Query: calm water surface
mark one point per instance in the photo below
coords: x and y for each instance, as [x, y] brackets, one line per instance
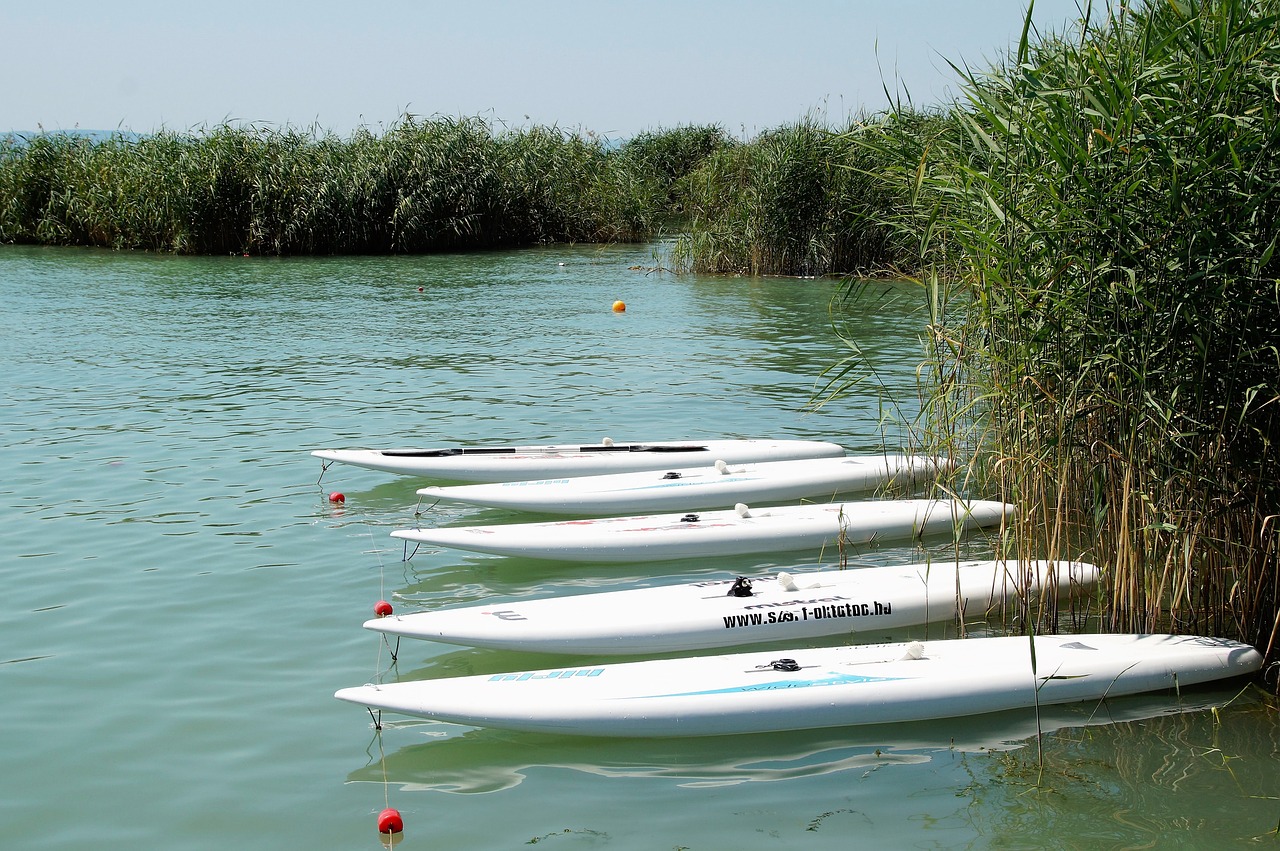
[180, 600]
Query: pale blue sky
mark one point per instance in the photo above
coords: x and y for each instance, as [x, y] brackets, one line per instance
[610, 67]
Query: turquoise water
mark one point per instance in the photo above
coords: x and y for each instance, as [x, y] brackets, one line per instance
[180, 599]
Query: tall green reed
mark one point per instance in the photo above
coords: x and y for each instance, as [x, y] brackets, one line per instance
[671, 155]
[1099, 229]
[419, 186]
[799, 200]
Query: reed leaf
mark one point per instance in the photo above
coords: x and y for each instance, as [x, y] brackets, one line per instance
[441, 184]
[1101, 208]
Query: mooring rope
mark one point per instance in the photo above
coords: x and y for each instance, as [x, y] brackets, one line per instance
[389, 820]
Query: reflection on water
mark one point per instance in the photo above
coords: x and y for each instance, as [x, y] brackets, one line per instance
[1096, 788]
[450, 758]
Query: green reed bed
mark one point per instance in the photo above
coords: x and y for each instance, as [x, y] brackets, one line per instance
[671, 155]
[420, 186]
[1099, 240]
[799, 200]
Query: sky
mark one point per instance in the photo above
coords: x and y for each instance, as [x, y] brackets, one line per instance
[610, 68]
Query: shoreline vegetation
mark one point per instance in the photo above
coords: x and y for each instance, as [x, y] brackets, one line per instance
[1092, 227]
[1097, 225]
[421, 186]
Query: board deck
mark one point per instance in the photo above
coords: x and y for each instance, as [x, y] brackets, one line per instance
[720, 485]
[785, 606]
[518, 463]
[813, 688]
[660, 537]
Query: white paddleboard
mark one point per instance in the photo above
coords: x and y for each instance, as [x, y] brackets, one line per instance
[520, 463]
[698, 615]
[718, 486]
[659, 537]
[810, 688]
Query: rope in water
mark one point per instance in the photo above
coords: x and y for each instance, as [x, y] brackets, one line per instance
[390, 822]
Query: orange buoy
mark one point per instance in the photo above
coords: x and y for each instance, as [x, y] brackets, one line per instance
[389, 821]
[619, 306]
[337, 497]
[382, 608]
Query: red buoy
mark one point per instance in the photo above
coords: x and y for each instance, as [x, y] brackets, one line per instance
[382, 608]
[389, 821]
[337, 497]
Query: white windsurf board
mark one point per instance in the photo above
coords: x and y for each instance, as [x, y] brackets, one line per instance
[726, 612]
[660, 537]
[720, 485]
[496, 463]
[812, 688]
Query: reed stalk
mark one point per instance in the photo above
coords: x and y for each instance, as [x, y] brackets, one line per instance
[1105, 341]
[801, 200]
[420, 186]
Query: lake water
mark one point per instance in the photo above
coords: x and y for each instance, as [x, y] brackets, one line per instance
[181, 600]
